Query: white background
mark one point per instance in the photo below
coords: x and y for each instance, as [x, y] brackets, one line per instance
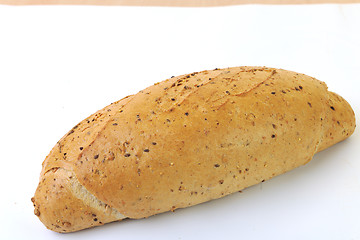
[60, 64]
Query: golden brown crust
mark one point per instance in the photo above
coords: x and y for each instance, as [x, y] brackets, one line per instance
[339, 122]
[71, 145]
[58, 207]
[201, 136]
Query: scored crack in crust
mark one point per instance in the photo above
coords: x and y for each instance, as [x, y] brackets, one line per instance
[66, 205]
[81, 193]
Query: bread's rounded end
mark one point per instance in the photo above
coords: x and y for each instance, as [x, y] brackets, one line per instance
[339, 123]
[59, 210]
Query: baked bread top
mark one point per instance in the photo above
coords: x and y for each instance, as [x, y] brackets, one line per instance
[190, 139]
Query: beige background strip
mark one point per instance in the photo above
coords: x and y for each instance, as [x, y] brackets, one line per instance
[171, 3]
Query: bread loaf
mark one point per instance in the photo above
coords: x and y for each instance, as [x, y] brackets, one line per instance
[187, 140]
